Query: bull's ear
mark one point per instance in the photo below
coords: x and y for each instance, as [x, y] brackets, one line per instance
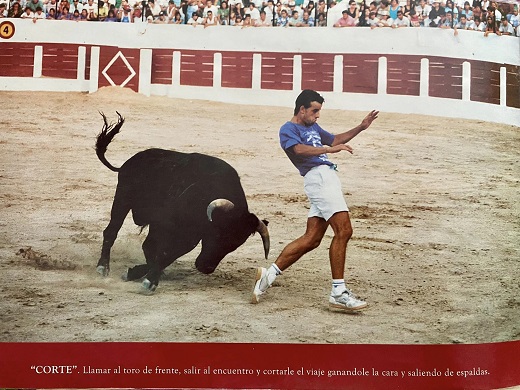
[265, 221]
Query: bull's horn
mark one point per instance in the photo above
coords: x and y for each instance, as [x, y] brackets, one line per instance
[264, 233]
[224, 204]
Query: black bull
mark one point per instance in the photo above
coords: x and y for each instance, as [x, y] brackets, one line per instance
[184, 199]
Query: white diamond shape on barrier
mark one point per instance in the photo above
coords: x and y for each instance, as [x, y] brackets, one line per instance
[132, 71]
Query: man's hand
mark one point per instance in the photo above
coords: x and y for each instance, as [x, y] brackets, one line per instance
[367, 121]
[339, 148]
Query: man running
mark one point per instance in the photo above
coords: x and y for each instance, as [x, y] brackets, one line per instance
[307, 144]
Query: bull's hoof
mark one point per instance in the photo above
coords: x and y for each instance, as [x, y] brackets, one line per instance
[147, 287]
[124, 277]
[102, 270]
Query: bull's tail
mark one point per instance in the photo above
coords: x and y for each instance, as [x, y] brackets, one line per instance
[106, 136]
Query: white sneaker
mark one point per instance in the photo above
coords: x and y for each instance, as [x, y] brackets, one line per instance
[346, 301]
[260, 280]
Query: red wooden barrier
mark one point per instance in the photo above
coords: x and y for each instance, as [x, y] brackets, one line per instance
[197, 68]
[404, 75]
[16, 59]
[360, 73]
[277, 71]
[446, 77]
[318, 72]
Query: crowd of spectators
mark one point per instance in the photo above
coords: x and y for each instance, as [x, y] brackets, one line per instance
[484, 16]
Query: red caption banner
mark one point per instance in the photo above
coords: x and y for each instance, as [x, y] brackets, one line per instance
[274, 366]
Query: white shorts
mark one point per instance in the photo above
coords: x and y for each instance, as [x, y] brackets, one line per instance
[323, 188]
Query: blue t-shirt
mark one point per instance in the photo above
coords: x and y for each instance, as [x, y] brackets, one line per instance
[293, 134]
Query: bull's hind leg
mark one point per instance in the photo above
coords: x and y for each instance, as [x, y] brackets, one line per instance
[118, 214]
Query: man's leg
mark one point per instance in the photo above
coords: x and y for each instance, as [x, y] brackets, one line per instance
[340, 223]
[341, 297]
[316, 228]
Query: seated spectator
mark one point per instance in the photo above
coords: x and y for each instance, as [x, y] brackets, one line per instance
[476, 24]
[63, 4]
[310, 7]
[346, 20]
[210, 7]
[363, 15]
[239, 10]
[253, 11]
[91, 10]
[195, 20]
[223, 13]
[15, 11]
[505, 27]
[294, 20]
[322, 21]
[3, 10]
[76, 16]
[125, 14]
[270, 11]
[401, 20]
[450, 7]
[436, 14]
[51, 15]
[39, 14]
[76, 5]
[65, 14]
[383, 8]
[170, 10]
[83, 16]
[307, 19]
[28, 14]
[384, 20]
[246, 22]
[322, 8]
[393, 9]
[263, 22]
[373, 20]
[491, 27]
[414, 18]
[33, 4]
[353, 10]
[514, 19]
[162, 19]
[102, 10]
[177, 18]
[47, 6]
[373, 7]
[238, 21]
[463, 23]
[477, 11]
[283, 19]
[448, 21]
[138, 15]
[423, 11]
[467, 11]
[210, 19]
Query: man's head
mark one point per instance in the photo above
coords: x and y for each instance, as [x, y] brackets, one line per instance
[307, 106]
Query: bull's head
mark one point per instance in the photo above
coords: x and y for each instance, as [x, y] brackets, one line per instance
[230, 228]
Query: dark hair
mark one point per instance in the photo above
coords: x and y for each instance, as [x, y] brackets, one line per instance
[305, 98]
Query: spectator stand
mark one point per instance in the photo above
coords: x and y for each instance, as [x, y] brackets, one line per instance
[424, 70]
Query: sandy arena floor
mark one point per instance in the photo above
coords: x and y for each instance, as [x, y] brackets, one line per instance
[434, 204]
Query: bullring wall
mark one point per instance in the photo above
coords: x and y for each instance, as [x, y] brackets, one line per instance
[410, 70]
